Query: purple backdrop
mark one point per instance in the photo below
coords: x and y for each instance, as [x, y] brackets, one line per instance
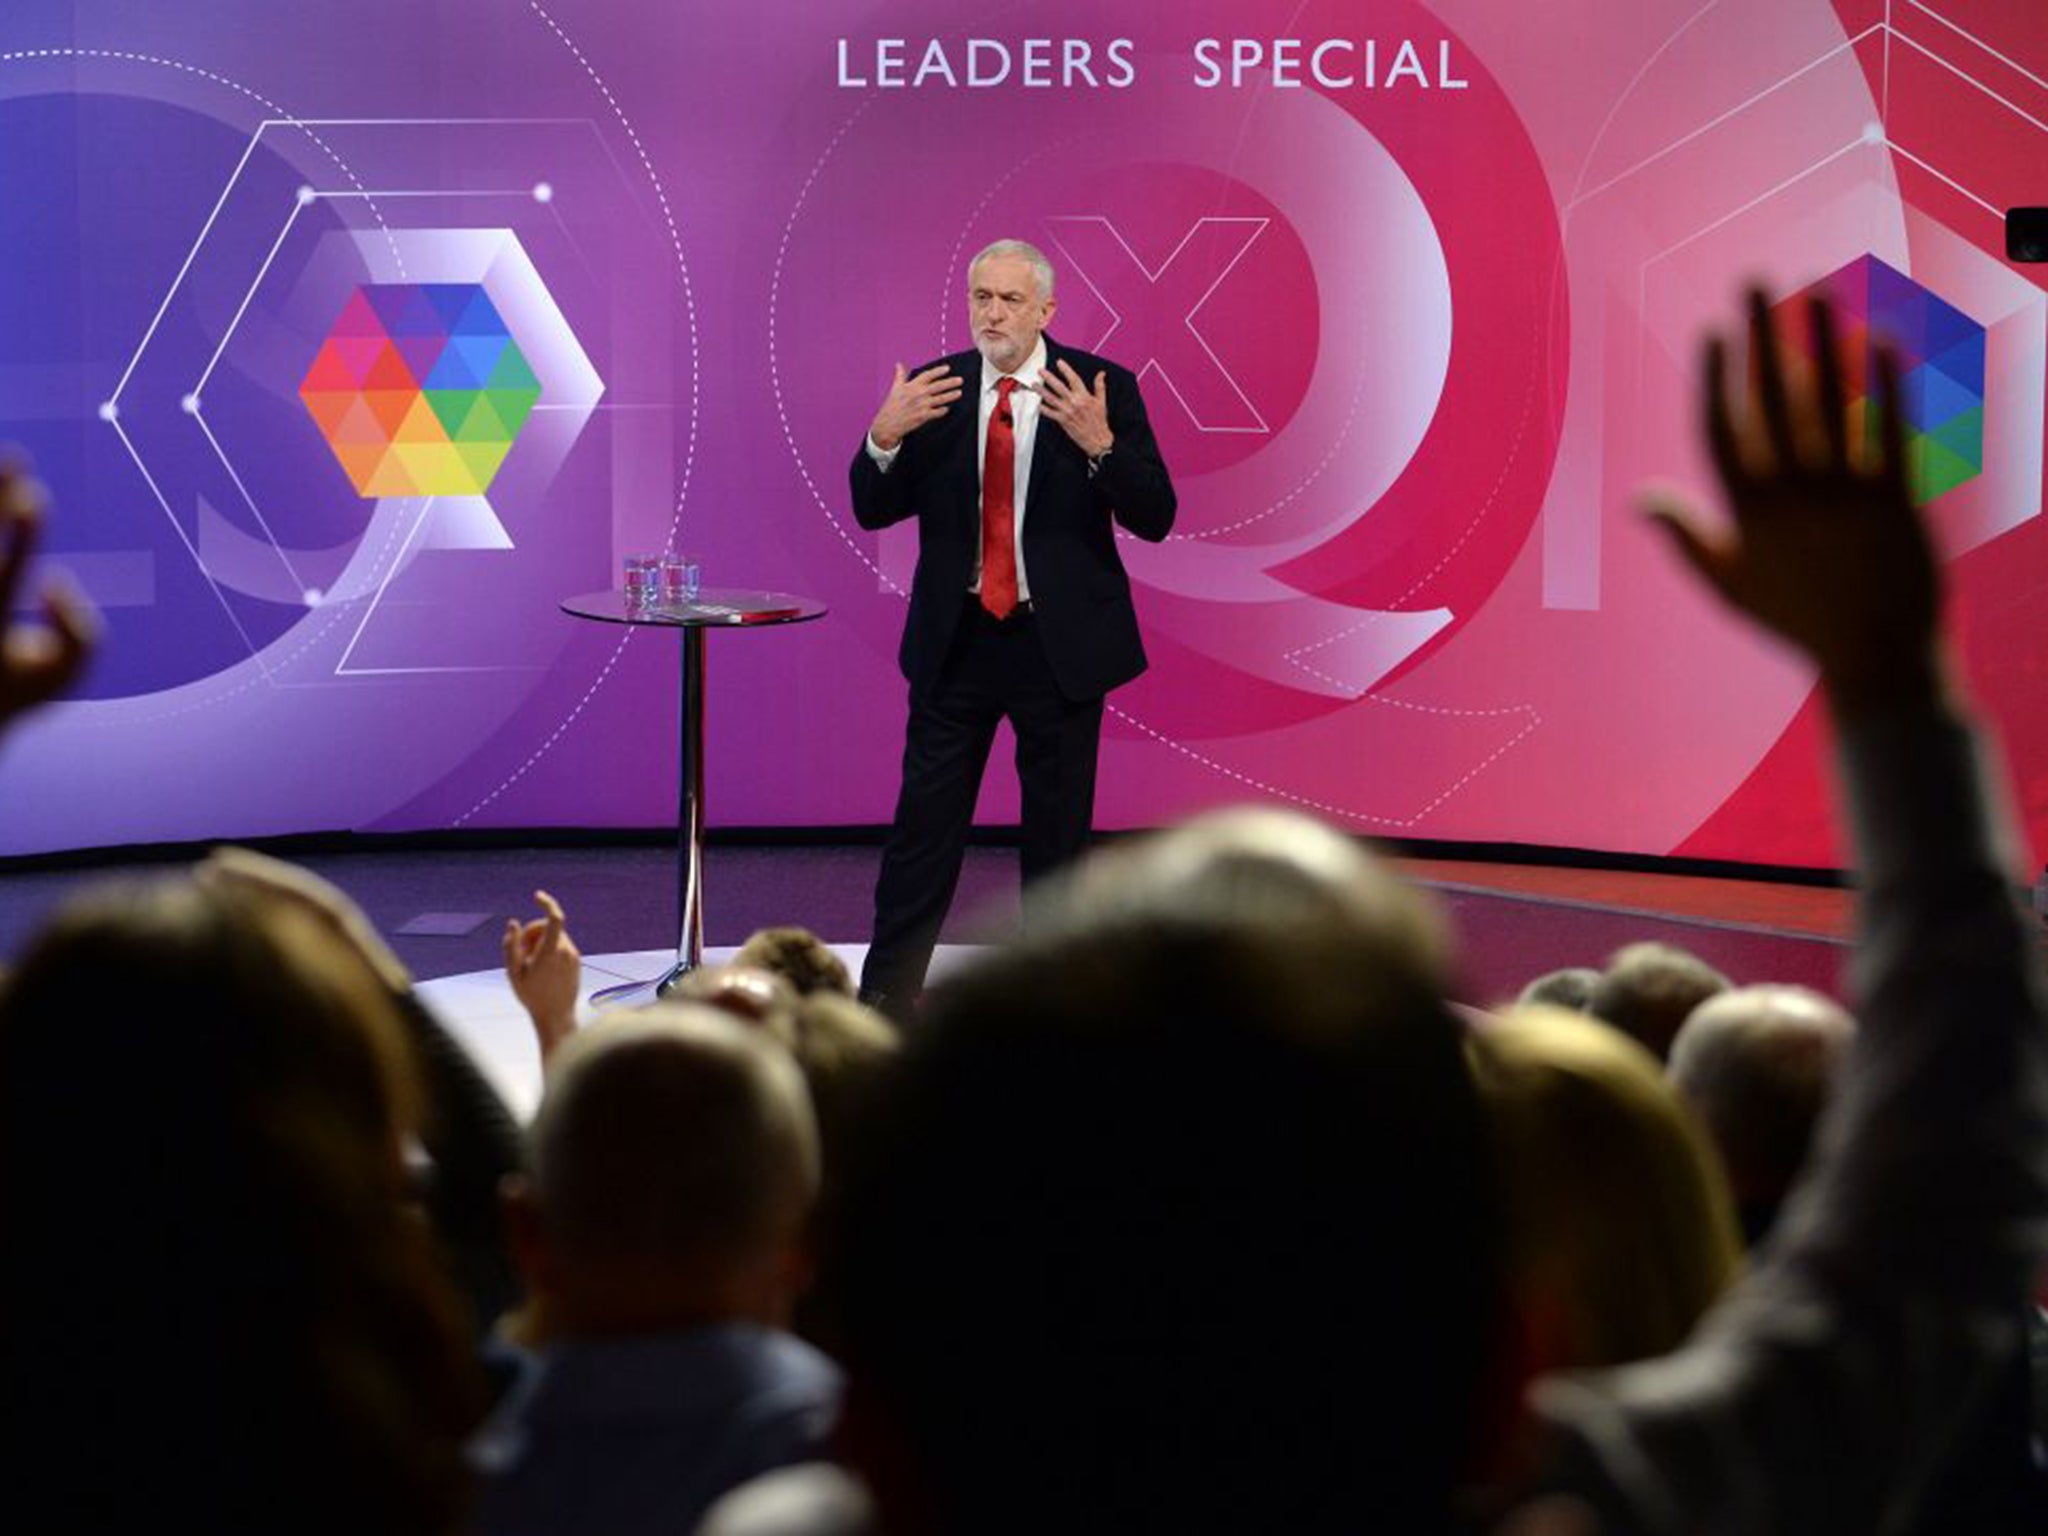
[1414, 289]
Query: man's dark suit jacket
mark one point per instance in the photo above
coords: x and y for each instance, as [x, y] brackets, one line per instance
[1078, 587]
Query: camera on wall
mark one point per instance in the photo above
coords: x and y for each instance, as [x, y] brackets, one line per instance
[2026, 234]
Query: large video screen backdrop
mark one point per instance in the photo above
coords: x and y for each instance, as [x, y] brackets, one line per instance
[352, 339]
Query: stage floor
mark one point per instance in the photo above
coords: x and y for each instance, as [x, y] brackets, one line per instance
[1511, 923]
[444, 910]
[481, 1011]
[1513, 920]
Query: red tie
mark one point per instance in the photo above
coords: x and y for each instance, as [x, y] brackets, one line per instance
[999, 508]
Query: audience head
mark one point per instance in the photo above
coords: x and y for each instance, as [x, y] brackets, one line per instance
[845, 1050]
[1177, 1214]
[1570, 988]
[1757, 1064]
[745, 992]
[214, 1272]
[841, 1046]
[799, 957]
[1648, 990]
[1621, 1230]
[674, 1164]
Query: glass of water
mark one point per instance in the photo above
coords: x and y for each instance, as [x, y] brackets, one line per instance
[681, 579]
[642, 579]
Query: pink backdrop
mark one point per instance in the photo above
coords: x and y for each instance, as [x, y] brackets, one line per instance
[1414, 289]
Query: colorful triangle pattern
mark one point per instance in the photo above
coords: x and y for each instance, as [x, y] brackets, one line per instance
[420, 389]
[1942, 365]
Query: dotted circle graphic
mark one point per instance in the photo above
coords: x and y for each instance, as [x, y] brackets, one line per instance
[675, 523]
[128, 718]
[774, 359]
[947, 305]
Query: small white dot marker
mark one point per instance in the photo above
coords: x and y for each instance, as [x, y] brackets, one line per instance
[306, 195]
[189, 405]
[314, 597]
[543, 192]
[1873, 133]
[109, 411]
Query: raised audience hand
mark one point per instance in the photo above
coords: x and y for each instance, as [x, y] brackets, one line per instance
[37, 661]
[546, 971]
[276, 881]
[1825, 547]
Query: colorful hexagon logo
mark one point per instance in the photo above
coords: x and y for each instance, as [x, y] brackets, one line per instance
[420, 389]
[1941, 351]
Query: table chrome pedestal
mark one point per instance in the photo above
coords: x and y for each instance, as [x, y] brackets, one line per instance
[713, 608]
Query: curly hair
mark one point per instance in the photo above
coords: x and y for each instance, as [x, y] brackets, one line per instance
[799, 957]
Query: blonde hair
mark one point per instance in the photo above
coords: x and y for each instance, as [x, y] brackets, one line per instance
[1621, 1230]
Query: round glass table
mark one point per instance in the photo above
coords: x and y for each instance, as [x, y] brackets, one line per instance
[712, 608]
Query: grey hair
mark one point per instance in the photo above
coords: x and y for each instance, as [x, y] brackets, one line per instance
[1023, 250]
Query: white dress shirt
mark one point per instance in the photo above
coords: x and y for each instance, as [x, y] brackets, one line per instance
[1024, 401]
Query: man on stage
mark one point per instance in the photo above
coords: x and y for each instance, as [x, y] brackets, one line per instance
[1017, 459]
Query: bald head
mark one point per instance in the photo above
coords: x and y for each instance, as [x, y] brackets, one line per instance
[676, 1136]
[744, 991]
[1758, 1063]
[1321, 900]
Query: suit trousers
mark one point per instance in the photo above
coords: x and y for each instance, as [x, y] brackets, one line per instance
[996, 670]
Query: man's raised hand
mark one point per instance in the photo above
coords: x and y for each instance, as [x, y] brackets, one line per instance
[912, 401]
[1083, 413]
[1825, 547]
